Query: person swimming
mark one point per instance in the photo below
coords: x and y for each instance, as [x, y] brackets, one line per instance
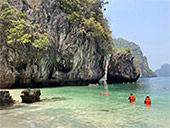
[147, 100]
[107, 94]
[132, 98]
[102, 93]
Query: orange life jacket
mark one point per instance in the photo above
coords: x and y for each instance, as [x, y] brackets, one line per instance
[107, 94]
[132, 98]
[147, 101]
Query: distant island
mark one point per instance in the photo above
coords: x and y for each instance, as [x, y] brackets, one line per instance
[140, 60]
[164, 70]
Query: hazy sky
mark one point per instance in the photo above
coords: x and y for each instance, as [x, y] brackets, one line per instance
[145, 22]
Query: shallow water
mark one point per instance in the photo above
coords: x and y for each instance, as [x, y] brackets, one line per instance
[83, 107]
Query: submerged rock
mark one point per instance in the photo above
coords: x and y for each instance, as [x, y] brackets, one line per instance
[30, 96]
[121, 68]
[5, 99]
[54, 99]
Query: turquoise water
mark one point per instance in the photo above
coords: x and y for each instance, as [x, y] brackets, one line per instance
[83, 107]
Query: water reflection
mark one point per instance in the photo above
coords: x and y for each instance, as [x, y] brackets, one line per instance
[148, 107]
[133, 105]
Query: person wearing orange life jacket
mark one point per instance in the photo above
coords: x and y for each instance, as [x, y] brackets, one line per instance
[147, 100]
[107, 94]
[132, 98]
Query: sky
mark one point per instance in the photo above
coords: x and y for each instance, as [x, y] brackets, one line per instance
[144, 22]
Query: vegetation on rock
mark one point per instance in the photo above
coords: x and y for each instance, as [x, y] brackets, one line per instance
[88, 13]
[123, 51]
[15, 28]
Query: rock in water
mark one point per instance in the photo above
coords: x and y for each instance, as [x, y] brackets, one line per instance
[121, 68]
[30, 96]
[140, 60]
[5, 99]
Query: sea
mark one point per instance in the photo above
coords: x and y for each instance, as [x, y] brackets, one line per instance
[84, 107]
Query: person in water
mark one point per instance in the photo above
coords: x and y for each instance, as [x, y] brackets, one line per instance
[102, 93]
[147, 100]
[132, 98]
[107, 94]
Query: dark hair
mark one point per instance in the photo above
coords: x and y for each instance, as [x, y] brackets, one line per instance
[147, 96]
[131, 94]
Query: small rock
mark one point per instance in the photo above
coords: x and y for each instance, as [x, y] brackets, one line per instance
[30, 96]
[93, 85]
[5, 99]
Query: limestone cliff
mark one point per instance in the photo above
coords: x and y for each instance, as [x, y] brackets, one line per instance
[74, 57]
[57, 42]
[122, 68]
[140, 60]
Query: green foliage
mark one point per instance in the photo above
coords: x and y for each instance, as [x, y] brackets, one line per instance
[6, 15]
[41, 40]
[77, 10]
[128, 50]
[21, 15]
[73, 9]
[57, 60]
[91, 25]
[14, 28]
[114, 49]
[123, 50]
[74, 17]
[19, 32]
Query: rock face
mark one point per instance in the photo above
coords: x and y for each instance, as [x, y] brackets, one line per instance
[121, 68]
[76, 56]
[30, 96]
[140, 60]
[5, 99]
[164, 71]
[71, 60]
[23, 64]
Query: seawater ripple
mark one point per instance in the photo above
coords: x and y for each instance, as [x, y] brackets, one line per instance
[83, 107]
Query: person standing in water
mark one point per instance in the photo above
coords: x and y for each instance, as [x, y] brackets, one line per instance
[102, 93]
[147, 100]
[132, 98]
[107, 94]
